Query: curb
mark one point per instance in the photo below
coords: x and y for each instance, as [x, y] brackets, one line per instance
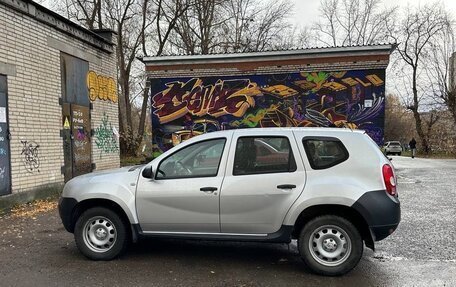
[7, 202]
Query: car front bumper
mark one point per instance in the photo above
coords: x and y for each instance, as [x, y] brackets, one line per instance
[66, 208]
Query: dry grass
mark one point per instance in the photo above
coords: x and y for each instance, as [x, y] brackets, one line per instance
[32, 209]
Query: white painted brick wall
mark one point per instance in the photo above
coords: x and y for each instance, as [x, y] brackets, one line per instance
[33, 94]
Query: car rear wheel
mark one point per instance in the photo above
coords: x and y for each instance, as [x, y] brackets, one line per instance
[100, 234]
[330, 245]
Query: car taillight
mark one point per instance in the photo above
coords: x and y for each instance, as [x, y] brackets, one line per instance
[389, 179]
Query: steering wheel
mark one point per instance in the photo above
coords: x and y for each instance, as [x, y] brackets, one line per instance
[184, 167]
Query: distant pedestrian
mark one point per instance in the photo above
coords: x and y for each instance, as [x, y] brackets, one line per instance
[412, 145]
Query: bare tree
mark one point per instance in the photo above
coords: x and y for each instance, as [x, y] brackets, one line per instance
[352, 22]
[232, 26]
[125, 16]
[399, 122]
[86, 12]
[442, 67]
[269, 26]
[197, 27]
[415, 33]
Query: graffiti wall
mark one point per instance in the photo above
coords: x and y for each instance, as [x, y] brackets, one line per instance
[186, 107]
[105, 137]
[30, 153]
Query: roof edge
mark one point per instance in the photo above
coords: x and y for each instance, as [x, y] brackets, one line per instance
[59, 22]
[324, 51]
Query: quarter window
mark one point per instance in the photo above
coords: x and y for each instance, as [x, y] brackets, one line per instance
[325, 152]
[197, 160]
[256, 155]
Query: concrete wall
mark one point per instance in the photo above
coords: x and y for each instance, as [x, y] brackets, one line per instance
[30, 58]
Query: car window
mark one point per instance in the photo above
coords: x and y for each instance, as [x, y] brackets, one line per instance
[201, 159]
[256, 155]
[324, 153]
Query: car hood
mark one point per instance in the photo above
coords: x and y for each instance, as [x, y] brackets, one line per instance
[125, 177]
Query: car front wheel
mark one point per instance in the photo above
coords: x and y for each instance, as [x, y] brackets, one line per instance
[330, 245]
[100, 234]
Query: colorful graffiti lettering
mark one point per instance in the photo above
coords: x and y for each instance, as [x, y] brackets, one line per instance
[101, 87]
[30, 151]
[252, 120]
[351, 99]
[225, 97]
[105, 139]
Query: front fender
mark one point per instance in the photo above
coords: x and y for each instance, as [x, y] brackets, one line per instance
[114, 192]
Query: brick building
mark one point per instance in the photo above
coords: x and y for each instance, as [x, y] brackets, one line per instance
[58, 98]
[341, 86]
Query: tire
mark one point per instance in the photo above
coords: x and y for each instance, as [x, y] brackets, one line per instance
[100, 234]
[330, 245]
[399, 153]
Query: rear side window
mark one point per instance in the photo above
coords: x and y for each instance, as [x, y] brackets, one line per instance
[324, 152]
[257, 155]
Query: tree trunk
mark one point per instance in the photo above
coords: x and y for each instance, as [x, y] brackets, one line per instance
[416, 114]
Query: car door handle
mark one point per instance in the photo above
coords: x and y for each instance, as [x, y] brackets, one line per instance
[208, 189]
[286, 186]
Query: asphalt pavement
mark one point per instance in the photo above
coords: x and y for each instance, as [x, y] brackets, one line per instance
[37, 251]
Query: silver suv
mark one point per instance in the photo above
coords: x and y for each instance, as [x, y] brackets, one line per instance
[331, 189]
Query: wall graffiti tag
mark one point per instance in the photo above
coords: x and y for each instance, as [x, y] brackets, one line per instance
[2, 138]
[185, 107]
[101, 87]
[230, 97]
[2, 172]
[105, 138]
[30, 151]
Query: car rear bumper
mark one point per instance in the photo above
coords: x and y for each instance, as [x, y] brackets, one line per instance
[381, 212]
[381, 232]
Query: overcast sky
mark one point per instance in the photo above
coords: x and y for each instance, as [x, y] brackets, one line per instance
[306, 11]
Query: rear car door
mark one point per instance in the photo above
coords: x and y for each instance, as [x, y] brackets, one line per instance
[264, 176]
[183, 197]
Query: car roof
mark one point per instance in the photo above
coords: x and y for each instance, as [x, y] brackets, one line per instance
[253, 131]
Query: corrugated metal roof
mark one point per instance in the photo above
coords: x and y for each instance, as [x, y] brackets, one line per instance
[254, 56]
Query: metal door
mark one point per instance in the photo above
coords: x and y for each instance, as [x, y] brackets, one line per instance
[5, 167]
[76, 131]
[80, 140]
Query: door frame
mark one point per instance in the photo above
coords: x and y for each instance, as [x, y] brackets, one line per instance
[8, 139]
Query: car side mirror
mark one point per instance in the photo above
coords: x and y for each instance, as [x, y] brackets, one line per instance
[147, 172]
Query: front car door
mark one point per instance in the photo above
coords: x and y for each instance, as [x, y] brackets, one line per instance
[183, 197]
[264, 176]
